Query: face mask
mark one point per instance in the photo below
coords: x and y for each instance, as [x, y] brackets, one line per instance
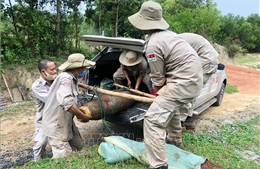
[49, 76]
[82, 74]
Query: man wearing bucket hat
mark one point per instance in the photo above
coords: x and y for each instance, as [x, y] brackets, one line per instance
[133, 64]
[61, 107]
[176, 74]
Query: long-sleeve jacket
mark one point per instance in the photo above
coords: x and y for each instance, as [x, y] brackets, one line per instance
[40, 90]
[57, 121]
[175, 66]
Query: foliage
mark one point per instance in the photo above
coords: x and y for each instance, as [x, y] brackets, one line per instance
[110, 17]
[230, 89]
[234, 48]
[30, 33]
[192, 16]
[239, 34]
[254, 40]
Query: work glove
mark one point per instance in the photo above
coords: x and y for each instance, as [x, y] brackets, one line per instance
[85, 109]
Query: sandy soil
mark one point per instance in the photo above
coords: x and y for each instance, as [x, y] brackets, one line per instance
[17, 131]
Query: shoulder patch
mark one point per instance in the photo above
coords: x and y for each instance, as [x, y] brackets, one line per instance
[66, 83]
[151, 57]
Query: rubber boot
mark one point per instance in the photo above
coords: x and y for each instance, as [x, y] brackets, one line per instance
[175, 143]
[162, 167]
[177, 140]
[189, 124]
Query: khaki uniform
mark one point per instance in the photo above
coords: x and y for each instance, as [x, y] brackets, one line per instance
[140, 69]
[207, 53]
[209, 61]
[40, 90]
[175, 66]
[58, 125]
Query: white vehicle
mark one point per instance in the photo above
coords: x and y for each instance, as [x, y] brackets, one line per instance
[107, 62]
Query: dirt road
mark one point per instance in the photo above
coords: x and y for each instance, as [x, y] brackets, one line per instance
[240, 106]
[17, 131]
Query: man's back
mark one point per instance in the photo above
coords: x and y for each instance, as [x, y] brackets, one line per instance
[204, 49]
[177, 63]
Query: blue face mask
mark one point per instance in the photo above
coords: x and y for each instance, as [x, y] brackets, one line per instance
[82, 74]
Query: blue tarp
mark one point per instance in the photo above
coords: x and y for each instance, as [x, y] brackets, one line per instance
[116, 149]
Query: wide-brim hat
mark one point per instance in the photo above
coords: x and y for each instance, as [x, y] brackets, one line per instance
[130, 58]
[149, 17]
[76, 60]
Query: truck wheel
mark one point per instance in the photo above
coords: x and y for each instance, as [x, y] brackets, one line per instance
[220, 96]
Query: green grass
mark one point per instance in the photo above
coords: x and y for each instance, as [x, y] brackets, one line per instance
[18, 108]
[231, 89]
[223, 148]
[88, 158]
[250, 60]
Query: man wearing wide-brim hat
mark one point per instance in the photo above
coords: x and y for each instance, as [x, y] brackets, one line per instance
[61, 107]
[133, 64]
[176, 74]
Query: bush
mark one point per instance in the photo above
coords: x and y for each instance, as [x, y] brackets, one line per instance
[234, 48]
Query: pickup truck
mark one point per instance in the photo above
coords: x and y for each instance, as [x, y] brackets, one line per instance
[107, 62]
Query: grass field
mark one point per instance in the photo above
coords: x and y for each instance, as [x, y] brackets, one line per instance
[250, 60]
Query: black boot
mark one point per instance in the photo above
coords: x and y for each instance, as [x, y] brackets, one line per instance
[189, 124]
[162, 167]
[177, 144]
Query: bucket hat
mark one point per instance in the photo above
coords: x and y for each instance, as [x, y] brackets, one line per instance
[76, 60]
[130, 58]
[149, 17]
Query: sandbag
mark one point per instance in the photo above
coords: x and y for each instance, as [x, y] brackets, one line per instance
[117, 148]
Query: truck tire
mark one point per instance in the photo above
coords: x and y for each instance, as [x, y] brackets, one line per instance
[220, 95]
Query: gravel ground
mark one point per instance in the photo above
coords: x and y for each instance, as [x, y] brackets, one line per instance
[17, 157]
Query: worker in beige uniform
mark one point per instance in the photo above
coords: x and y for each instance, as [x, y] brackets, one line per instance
[133, 64]
[40, 88]
[207, 53]
[61, 107]
[209, 61]
[176, 73]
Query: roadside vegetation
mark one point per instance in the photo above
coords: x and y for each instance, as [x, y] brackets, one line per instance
[230, 89]
[249, 60]
[31, 31]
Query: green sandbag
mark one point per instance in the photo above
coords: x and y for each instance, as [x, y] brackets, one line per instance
[116, 149]
[107, 84]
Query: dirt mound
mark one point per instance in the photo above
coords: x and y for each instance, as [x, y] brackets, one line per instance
[210, 165]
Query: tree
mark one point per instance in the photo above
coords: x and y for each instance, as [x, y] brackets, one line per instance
[112, 16]
[197, 16]
[240, 32]
[254, 20]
